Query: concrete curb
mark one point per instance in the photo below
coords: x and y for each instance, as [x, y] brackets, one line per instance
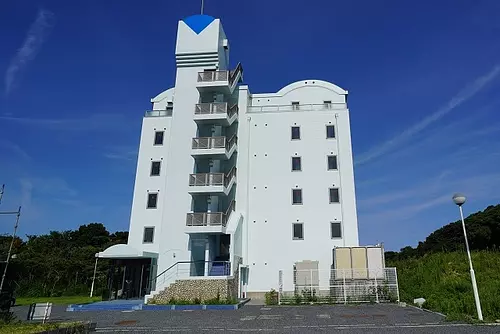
[143, 307]
[426, 310]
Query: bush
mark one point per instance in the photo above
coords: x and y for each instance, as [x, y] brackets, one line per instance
[443, 279]
[271, 297]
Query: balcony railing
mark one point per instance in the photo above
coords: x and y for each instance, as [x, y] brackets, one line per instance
[158, 113]
[230, 76]
[197, 219]
[211, 179]
[210, 76]
[298, 107]
[204, 143]
[215, 108]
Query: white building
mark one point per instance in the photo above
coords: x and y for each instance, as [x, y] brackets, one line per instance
[262, 181]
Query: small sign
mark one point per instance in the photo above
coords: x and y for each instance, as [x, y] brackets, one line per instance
[40, 311]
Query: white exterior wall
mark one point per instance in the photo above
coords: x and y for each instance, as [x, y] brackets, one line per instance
[271, 212]
[141, 216]
[264, 177]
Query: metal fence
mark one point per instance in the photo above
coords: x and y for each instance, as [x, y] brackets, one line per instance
[338, 286]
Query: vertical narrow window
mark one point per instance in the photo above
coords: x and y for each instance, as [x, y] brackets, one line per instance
[334, 195]
[296, 164]
[152, 200]
[336, 230]
[330, 131]
[296, 196]
[148, 236]
[295, 132]
[155, 168]
[159, 137]
[332, 162]
[295, 105]
[298, 231]
[170, 108]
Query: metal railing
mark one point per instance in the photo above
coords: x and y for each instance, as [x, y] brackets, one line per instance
[211, 179]
[210, 218]
[158, 113]
[215, 108]
[299, 107]
[203, 143]
[189, 269]
[338, 286]
[210, 76]
[230, 76]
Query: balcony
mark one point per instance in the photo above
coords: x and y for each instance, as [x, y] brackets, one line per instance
[208, 222]
[219, 113]
[219, 81]
[219, 148]
[212, 183]
[159, 113]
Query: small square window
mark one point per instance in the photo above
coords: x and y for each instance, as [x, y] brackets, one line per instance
[296, 196]
[155, 168]
[298, 231]
[295, 105]
[332, 162]
[296, 164]
[327, 104]
[330, 131]
[295, 132]
[336, 229]
[170, 105]
[149, 233]
[152, 200]
[334, 195]
[159, 137]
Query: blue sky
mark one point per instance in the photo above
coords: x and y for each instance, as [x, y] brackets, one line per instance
[423, 78]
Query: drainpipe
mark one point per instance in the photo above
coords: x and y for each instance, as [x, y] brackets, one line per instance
[340, 179]
[248, 203]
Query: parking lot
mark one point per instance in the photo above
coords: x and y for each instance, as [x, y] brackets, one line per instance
[252, 318]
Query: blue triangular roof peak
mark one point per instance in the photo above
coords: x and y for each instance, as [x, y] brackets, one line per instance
[198, 23]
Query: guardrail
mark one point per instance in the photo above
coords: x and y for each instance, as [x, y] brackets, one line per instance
[298, 107]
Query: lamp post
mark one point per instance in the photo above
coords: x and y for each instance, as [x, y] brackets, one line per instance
[459, 200]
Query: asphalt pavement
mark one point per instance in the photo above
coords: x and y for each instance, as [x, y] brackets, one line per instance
[381, 318]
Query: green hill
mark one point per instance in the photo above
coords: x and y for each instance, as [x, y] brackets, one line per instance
[438, 269]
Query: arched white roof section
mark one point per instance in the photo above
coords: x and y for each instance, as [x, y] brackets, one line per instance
[311, 83]
[167, 94]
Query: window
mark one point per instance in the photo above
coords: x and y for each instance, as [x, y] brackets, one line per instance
[295, 105]
[334, 195]
[149, 233]
[296, 164]
[298, 231]
[159, 137]
[152, 200]
[295, 132]
[330, 131]
[155, 168]
[296, 196]
[170, 105]
[332, 162]
[327, 104]
[336, 229]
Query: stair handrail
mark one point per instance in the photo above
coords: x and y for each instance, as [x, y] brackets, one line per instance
[233, 74]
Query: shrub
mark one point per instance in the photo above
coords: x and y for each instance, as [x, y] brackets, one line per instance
[271, 297]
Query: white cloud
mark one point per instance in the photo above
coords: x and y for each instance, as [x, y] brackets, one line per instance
[32, 44]
[122, 153]
[14, 148]
[93, 122]
[464, 95]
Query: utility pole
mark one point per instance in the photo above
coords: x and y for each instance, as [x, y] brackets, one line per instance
[202, 5]
[9, 254]
[1, 192]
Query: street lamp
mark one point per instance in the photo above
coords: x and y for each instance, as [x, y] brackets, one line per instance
[459, 200]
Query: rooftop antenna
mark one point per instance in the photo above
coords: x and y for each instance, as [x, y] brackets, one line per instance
[202, 5]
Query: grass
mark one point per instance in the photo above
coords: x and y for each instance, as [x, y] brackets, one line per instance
[57, 300]
[28, 328]
[443, 279]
